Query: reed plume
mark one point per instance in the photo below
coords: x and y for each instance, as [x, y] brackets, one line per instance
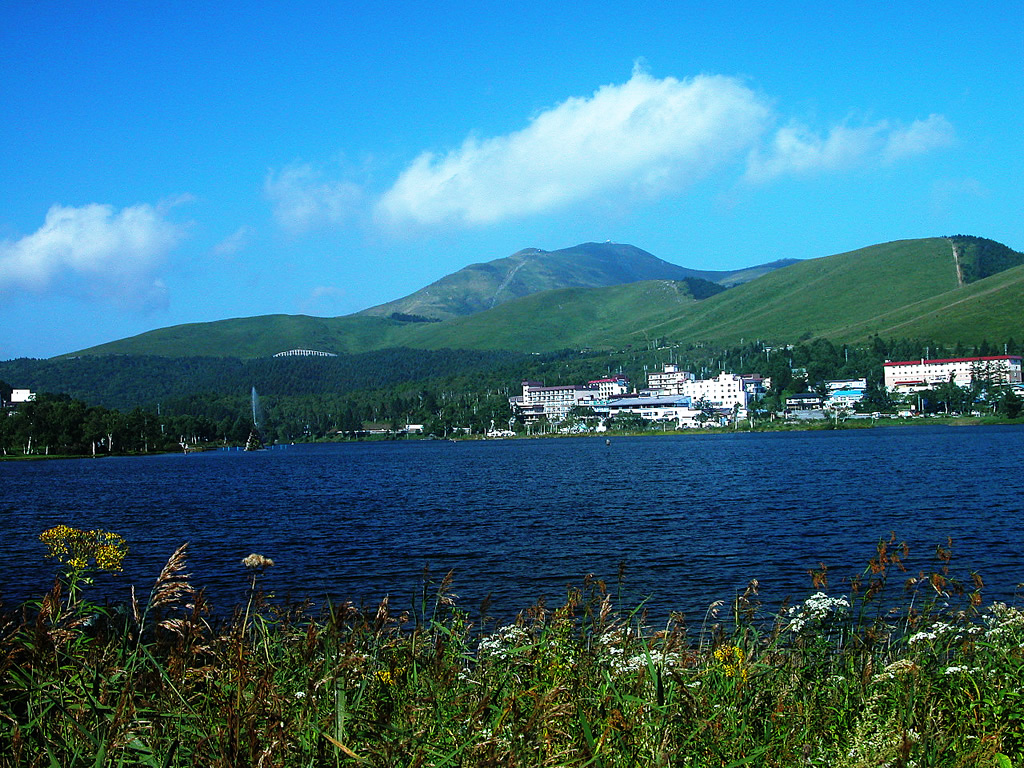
[171, 589]
[172, 586]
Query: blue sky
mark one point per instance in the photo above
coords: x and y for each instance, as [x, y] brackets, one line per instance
[167, 163]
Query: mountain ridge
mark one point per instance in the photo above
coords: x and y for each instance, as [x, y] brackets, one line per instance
[482, 286]
[900, 286]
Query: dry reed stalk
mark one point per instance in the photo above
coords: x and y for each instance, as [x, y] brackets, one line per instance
[171, 589]
[172, 585]
[444, 591]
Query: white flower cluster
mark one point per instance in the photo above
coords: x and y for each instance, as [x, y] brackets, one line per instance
[940, 631]
[1004, 625]
[504, 643]
[814, 611]
[620, 665]
[612, 648]
[613, 636]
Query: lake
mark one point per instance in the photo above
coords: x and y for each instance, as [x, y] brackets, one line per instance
[691, 518]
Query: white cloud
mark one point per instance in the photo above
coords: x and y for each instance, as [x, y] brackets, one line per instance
[644, 137]
[303, 200]
[797, 150]
[93, 251]
[233, 243]
[921, 136]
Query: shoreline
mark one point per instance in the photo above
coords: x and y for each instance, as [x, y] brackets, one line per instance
[783, 426]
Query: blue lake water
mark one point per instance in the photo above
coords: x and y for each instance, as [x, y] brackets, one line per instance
[692, 518]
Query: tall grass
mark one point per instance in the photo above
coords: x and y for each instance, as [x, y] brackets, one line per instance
[898, 670]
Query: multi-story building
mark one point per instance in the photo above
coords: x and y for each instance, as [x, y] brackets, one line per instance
[677, 408]
[670, 380]
[916, 375]
[845, 393]
[554, 403]
[726, 390]
[610, 387]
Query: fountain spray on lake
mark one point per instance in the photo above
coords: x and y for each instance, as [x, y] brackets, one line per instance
[255, 441]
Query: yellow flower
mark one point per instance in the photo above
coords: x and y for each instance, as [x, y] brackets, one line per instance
[731, 657]
[388, 677]
[76, 548]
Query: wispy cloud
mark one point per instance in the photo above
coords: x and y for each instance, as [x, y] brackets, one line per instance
[643, 137]
[233, 243]
[94, 251]
[797, 150]
[919, 137]
[303, 199]
[322, 299]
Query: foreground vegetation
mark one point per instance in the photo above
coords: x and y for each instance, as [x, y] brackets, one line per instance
[926, 677]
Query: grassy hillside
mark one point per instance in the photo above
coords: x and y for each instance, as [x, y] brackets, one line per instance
[903, 288]
[568, 318]
[261, 336]
[480, 287]
[822, 297]
[980, 258]
[990, 309]
[907, 288]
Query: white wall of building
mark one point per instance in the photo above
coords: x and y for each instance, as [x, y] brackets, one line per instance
[726, 390]
[916, 375]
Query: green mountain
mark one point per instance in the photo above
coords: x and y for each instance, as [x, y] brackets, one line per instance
[480, 287]
[945, 289]
[907, 288]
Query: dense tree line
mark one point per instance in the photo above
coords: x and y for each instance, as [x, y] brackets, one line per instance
[124, 381]
[58, 424]
[208, 400]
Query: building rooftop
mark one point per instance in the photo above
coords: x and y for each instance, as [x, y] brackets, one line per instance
[954, 360]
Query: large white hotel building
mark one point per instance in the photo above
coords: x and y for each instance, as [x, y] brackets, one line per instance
[915, 375]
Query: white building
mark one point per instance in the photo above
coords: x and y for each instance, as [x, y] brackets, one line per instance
[677, 408]
[611, 387]
[916, 375]
[554, 403]
[726, 390]
[22, 396]
[670, 380]
[845, 393]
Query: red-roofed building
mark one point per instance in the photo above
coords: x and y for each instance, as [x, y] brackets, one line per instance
[617, 385]
[915, 375]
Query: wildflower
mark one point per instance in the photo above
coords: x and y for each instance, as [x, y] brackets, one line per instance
[623, 666]
[388, 677]
[815, 610]
[77, 548]
[505, 643]
[732, 658]
[1004, 625]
